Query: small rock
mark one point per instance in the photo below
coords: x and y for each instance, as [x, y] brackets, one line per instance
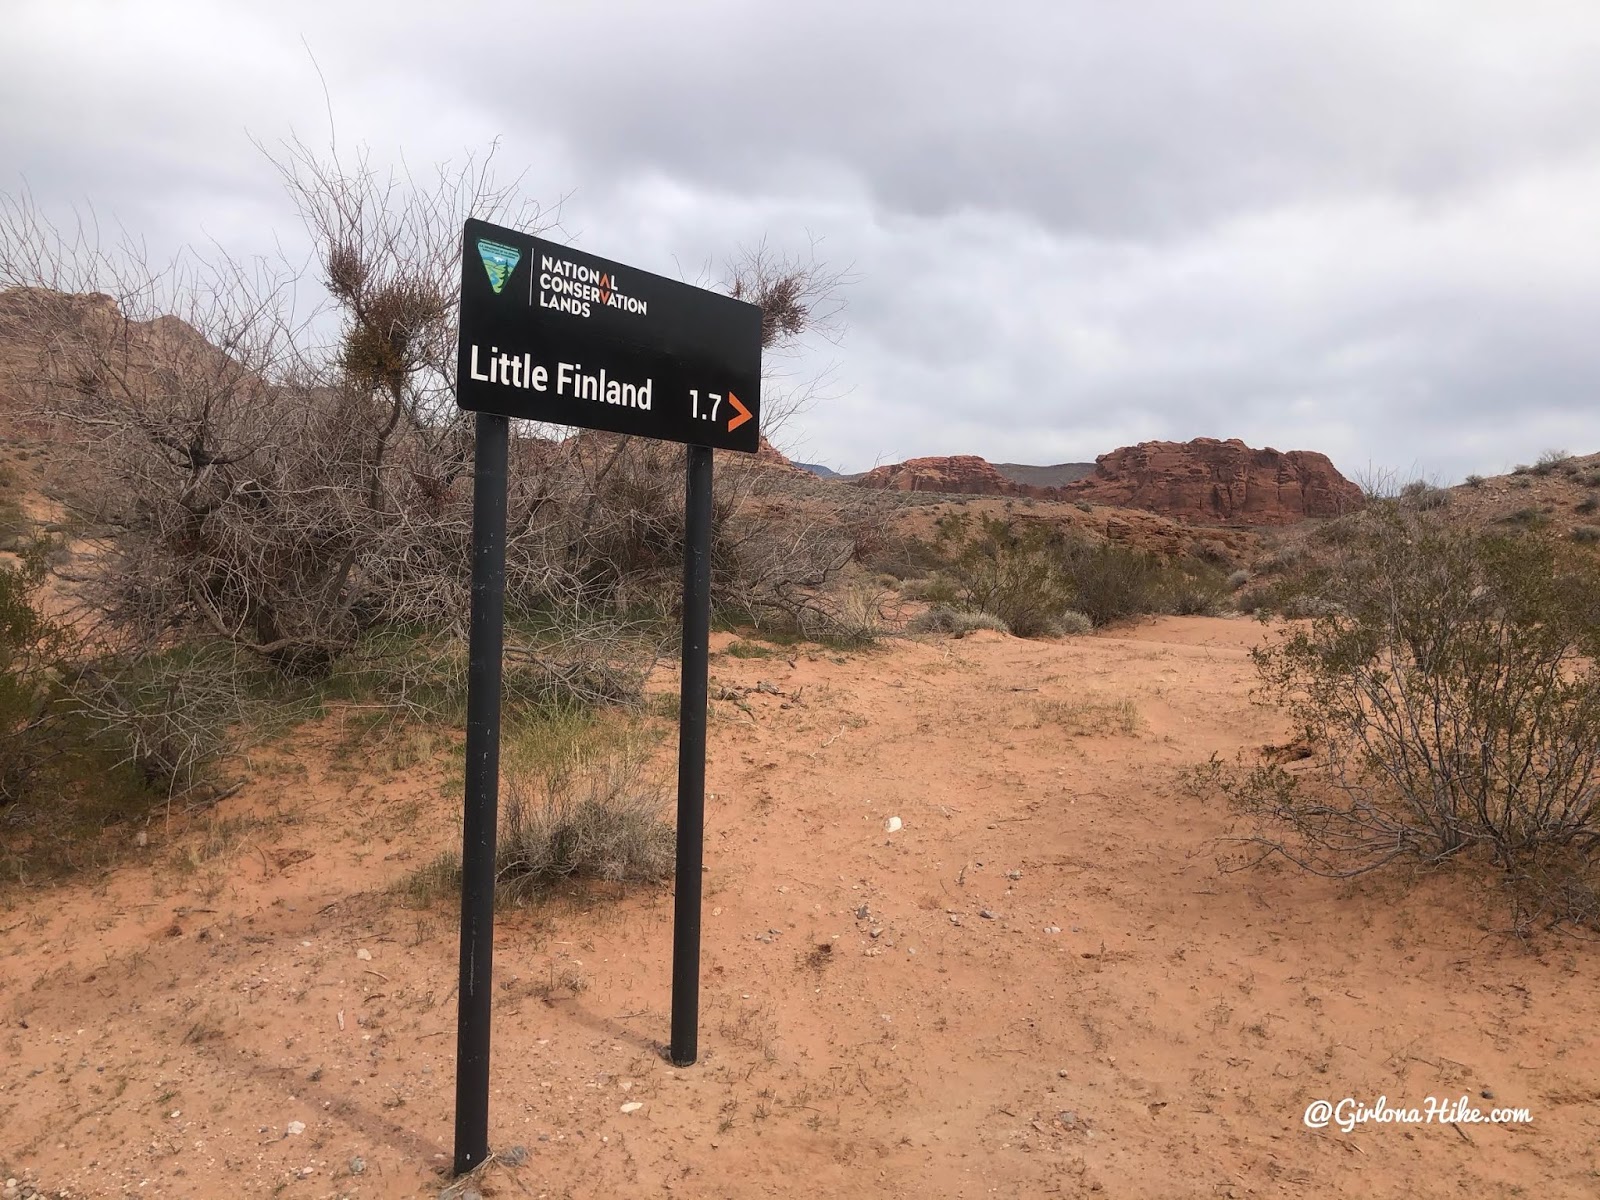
[295, 1128]
[893, 825]
[142, 839]
[364, 954]
[863, 913]
[1061, 1074]
[1487, 1094]
[1068, 1118]
[1052, 929]
[632, 1106]
[1013, 874]
[987, 914]
[515, 1156]
[358, 1165]
[877, 933]
[955, 920]
[472, 1194]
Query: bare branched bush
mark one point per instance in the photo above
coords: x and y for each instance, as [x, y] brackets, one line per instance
[1448, 688]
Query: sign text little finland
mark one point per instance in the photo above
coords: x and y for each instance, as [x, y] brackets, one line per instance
[551, 334]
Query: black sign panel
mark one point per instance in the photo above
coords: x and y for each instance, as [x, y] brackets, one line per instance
[552, 334]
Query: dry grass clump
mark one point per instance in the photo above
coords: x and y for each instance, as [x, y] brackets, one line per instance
[1083, 718]
[579, 802]
[586, 811]
[955, 622]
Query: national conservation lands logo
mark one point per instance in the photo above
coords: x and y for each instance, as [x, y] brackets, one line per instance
[570, 287]
[499, 261]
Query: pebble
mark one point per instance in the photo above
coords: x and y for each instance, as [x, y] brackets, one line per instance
[632, 1106]
[364, 954]
[1052, 929]
[358, 1165]
[987, 914]
[295, 1128]
[863, 913]
[515, 1156]
[893, 825]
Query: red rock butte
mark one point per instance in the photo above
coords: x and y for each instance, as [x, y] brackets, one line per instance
[1205, 481]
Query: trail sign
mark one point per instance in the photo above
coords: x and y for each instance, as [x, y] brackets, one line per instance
[552, 334]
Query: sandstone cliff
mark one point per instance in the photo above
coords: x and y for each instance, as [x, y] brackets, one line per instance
[1207, 480]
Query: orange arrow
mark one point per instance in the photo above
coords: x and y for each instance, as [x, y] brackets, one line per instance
[744, 413]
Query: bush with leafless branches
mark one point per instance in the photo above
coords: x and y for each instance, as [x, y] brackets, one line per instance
[287, 480]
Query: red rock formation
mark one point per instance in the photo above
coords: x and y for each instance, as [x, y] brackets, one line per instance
[1207, 480]
[964, 474]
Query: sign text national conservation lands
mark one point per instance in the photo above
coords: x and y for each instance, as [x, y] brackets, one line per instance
[551, 334]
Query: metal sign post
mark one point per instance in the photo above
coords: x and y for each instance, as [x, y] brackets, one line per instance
[481, 814]
[691, 757]
[551, 334]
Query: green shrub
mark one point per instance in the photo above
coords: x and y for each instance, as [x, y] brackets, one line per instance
[1451, 694]
[1011, 570]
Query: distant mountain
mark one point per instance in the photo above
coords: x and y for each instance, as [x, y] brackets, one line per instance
[1045, 476]
[819, 470]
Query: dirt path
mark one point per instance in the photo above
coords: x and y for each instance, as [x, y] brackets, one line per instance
[1040, 985]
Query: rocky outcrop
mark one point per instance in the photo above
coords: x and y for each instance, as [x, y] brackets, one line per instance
[961, 474]
[1205, 481]
[1211, 481]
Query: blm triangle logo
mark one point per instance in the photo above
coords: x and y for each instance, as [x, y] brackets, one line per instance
[499, 261]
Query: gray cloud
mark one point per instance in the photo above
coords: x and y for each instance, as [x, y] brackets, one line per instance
[1368, 228]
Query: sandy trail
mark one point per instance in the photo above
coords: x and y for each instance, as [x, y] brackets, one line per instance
[164, 1026]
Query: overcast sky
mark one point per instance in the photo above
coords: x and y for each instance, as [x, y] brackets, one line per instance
[1370, 228]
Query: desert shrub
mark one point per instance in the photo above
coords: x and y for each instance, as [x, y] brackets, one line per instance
[1521, 469]
[1550, 460]
[1590, 478]
[67, 772]
[1011, 570]
[1474, 481]
[1073, 623]
[1527, 518]
[1450, 692]
[1239, 578]
[580, 804]
[954, 621]
[903, 557]
[1587, 505]
[1521, 481]
[1586, 533]
[31, 649]
[1423, 495]
[1194, 589]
